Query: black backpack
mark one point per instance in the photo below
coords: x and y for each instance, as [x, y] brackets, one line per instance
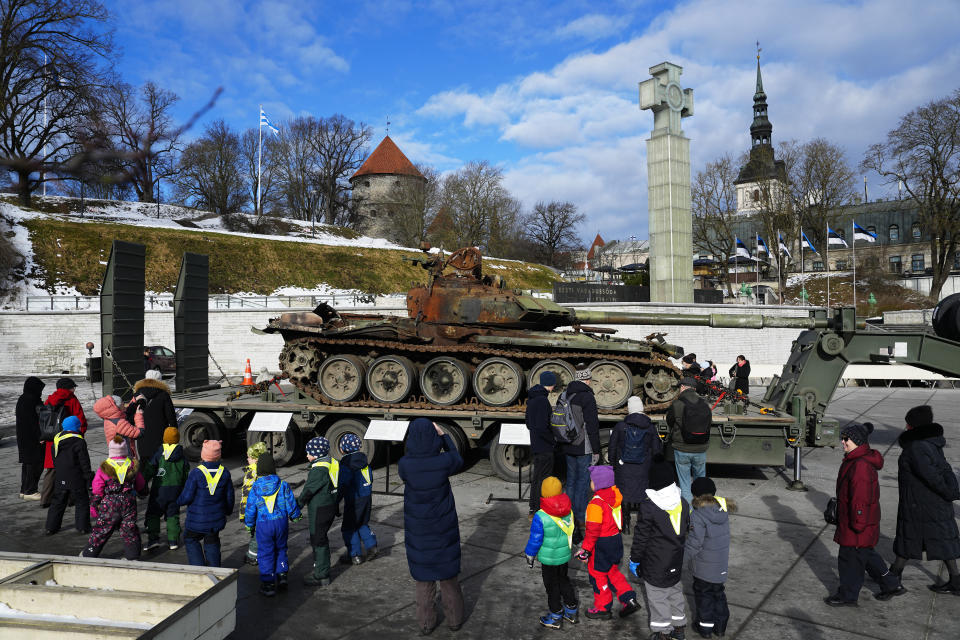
[634, 445]
[566, 425]
[50, 419]
[694, 421]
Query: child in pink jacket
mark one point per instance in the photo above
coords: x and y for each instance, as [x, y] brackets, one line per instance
[115, 422]
[114, 505]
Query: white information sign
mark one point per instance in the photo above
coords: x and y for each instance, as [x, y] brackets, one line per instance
[270, 421]
[390, 430]
[514, 433]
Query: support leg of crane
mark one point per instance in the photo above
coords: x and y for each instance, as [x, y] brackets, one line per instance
[797, 484]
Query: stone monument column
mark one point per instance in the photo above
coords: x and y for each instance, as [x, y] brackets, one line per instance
[668, 185]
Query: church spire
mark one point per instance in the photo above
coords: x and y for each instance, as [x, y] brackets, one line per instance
[761, 129]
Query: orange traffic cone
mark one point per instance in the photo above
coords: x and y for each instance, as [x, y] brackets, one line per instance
[247, 376]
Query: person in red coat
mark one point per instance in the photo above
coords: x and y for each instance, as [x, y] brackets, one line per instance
[64, 394]
[858, 520]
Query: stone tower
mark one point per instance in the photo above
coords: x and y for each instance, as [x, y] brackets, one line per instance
[384, 188]
[761, 182]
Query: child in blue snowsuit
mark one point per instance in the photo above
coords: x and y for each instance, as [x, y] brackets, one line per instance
[270, 505]
[355, 486]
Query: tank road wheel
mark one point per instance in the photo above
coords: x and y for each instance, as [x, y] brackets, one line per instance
[300, 362]
[498, 382]
[661, 384]
[612, 383]
[358, 427]
[341, 377]
[444, 380]
[506, 458]
[286, 444]
[196, 428]
[563, 370]
[391, 378]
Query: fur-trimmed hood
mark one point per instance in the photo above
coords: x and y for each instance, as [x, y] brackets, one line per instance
[708, 500]
[108, 469]
[148, 383]
[932, 431]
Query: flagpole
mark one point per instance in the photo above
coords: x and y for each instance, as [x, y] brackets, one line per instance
[853, 239]
[826, 260]
[259, 150]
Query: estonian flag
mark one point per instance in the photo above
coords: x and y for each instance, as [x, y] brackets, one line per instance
[265, 122]
[806, 244]
[833, 238]
[783, 247]
[742, 249]
[859, 233]
[762, 246]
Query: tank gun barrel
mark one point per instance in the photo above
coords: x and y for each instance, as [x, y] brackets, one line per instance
[714, 320]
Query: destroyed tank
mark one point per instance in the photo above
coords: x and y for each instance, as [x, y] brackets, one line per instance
[470, 342]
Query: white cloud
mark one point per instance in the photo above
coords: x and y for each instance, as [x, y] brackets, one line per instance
[592, 27]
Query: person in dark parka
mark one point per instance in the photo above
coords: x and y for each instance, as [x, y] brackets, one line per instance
[633, 445]
[740, 375]
[153, 395]
[928, 487]
[29, 446]
[543, 444]
[431, 528]
[72, 479]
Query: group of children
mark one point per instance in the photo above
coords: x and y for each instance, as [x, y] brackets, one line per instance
[668, 530]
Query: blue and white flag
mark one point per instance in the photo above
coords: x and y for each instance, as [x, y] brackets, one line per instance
[859, 233]
[835, 239]
[783, 247]
[742, 249]
[265, 122]
[805, 242]
[762, 246]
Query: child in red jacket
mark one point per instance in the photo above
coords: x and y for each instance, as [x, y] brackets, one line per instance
[603, 547]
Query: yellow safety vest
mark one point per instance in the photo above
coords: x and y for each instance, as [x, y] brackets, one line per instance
[120, 467]
[365, 472]
[168, 450]
[675, 514]
[566, 527]
[333, 469]
[63, 435]
[616, 511]
[213, 477]
[271, 500]
[722, 501]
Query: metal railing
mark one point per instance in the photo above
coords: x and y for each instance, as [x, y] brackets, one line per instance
[219, 301]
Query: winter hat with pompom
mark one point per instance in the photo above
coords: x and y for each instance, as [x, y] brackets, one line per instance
[117, 448]
[171, 436]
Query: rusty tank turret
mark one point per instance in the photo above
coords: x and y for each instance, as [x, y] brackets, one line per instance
[469, 342]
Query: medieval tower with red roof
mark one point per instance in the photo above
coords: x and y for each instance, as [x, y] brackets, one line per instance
[385, 190]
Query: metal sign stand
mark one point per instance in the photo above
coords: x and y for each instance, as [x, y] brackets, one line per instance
[515, 434]
[388, 431]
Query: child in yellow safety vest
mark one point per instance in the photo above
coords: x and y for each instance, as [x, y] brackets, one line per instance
[254, 451]
[168, 469]
[72, 477]
[270, 507]
[319, 495]
[114, 505]
[355, 488]
[209, 498]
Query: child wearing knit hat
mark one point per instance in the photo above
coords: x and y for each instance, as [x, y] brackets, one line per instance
[209, 498]
[167, 469]
[708, 548]
[319, 495]
[114, 506]
[270, 506]
[355, 488]
[254, 451]
[550, 542]
[72, 476]
[602, 547]
[656, 554]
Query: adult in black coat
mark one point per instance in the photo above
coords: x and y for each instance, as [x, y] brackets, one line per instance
[581, 455]
[633, 477]
[153, 395]
[543, 444]
[928, 486]
[29, 447]
[431, 529]
[740, 375]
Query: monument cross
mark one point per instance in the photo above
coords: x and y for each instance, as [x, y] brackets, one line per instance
[668, 185]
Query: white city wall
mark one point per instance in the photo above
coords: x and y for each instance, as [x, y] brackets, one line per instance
[52, 342]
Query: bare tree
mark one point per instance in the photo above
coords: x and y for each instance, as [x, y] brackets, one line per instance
[923, 153]
[505, 238]
[143, 132]
[552, 228]
[50, 55]
[209, 174]
[340, 146]
[296, 162]
[440, 229]
[417, 203]
[473, 196]
[821, 181]
[714, 208]
[261, 153]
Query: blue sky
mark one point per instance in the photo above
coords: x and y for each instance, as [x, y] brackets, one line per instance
[547, 91]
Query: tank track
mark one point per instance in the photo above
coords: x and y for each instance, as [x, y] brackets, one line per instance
[399, 348]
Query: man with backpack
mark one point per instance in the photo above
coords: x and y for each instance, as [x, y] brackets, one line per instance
[633, 445]
[578, 405]
[71, 407]
[543, 444]
[690, 420]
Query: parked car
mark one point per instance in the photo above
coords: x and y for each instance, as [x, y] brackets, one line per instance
[159, 357]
